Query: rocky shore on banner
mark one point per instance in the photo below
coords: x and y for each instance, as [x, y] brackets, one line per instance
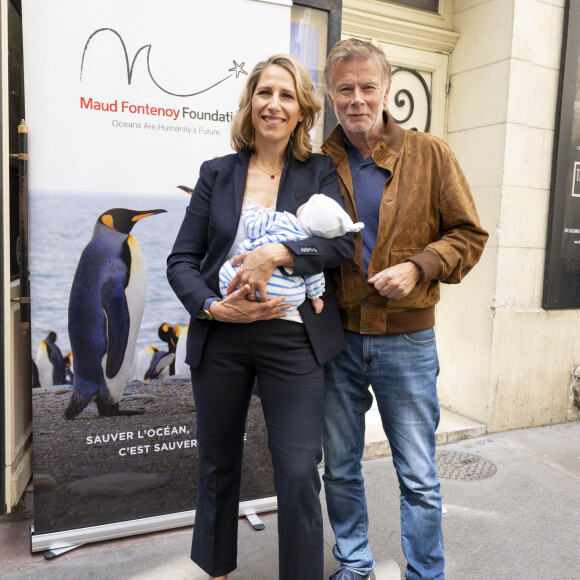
[98, 470]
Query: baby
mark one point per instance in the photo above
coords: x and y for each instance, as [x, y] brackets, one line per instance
[320, 216]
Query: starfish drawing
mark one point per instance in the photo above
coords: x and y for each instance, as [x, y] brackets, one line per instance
[238, 69]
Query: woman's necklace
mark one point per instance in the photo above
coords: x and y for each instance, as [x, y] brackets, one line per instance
[272, 175]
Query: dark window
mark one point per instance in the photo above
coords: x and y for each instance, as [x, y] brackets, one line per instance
[15, 114]
[430, 5]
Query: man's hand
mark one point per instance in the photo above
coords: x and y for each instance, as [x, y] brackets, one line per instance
[256, 267]
[237, 308]
[397, 281]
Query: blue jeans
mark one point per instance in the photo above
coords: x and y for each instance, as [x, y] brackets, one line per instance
[402, 369]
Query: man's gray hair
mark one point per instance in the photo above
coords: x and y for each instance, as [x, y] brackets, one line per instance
[355, 49]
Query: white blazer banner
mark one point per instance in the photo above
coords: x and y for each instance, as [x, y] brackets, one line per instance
[124, 101]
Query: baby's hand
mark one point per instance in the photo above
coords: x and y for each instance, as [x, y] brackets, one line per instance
[299, 211]
[318, 305]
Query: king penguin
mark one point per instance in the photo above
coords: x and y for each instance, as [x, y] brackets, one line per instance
[170, 335]
[106, 305]
[160, 364]
[69, 368]
[181, 367]
[50, 362]
[152, 363]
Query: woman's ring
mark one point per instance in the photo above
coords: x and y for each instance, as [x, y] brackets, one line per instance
[250, 295]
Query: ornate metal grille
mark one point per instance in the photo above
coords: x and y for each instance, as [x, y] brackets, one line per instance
[404, 100]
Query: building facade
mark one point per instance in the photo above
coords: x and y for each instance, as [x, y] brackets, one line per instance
[494, 71]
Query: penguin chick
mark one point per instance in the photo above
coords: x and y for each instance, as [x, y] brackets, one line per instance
[50, 362]
[105, 309]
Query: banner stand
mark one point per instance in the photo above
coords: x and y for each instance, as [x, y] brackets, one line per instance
[57, 543]
[145, 103]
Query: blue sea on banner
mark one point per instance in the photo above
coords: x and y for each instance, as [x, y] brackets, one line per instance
[61, 225]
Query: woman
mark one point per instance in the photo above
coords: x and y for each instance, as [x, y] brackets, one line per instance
[236, 339]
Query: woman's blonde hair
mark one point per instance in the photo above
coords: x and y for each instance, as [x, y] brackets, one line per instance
[242, 127]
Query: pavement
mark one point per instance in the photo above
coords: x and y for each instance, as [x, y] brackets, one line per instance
[512, 502]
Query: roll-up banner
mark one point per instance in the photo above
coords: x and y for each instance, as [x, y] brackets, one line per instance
[124, 101]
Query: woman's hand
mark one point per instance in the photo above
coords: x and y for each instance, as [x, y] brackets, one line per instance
[237, 308]
[256, 267]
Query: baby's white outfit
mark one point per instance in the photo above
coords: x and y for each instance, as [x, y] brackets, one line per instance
[321, 216]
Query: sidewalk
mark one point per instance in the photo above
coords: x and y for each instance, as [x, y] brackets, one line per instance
[513, 502]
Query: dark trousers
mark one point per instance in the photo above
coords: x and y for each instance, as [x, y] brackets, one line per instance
[291, 387]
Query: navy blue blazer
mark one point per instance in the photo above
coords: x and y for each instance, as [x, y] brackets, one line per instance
[209, 228]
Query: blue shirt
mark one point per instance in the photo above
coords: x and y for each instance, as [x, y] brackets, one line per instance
[368, 181]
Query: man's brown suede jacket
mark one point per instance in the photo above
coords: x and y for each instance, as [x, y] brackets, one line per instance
[427, 217]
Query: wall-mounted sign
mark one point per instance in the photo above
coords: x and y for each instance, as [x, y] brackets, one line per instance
[562, 271]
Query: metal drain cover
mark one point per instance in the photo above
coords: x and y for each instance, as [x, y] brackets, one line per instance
[463, 466]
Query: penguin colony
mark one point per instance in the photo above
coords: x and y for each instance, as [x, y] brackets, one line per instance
[106, 306]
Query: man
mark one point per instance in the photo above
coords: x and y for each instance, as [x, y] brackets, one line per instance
[421, 228]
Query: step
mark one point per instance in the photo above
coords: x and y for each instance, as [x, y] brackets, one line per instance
[452, 428]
